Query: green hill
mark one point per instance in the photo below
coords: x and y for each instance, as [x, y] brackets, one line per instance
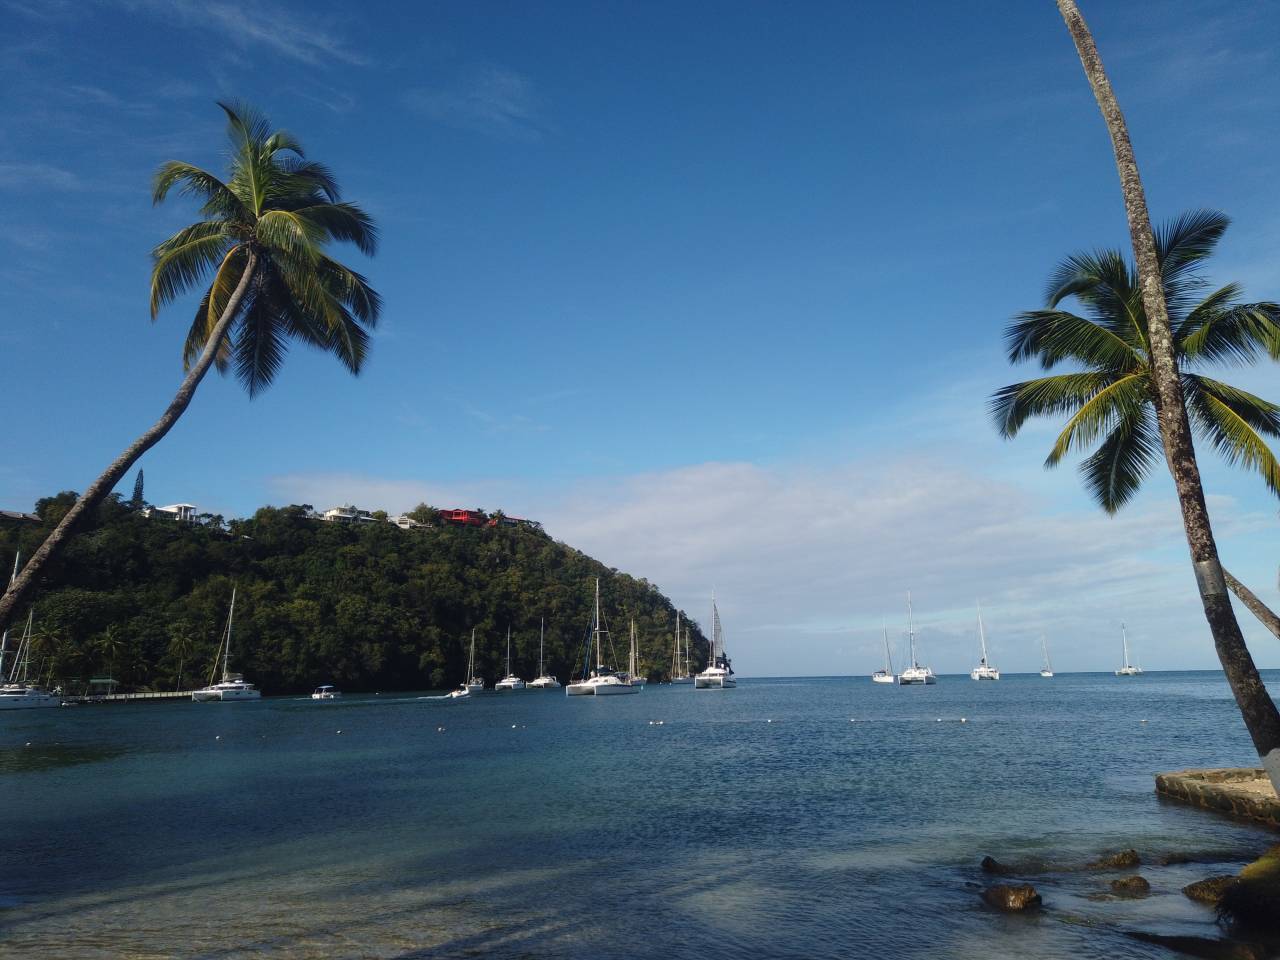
[366, 607]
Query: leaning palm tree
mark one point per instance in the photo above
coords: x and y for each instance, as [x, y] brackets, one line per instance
[261, 247]
[1256, 706]
[1110, 396]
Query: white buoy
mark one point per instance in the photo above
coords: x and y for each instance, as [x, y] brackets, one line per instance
[963, 720]
[218, 737]
[439, 729]
[513, 726]
[28, 743]
[339, 731]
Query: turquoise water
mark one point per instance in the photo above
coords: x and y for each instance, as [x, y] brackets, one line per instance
[786, 818]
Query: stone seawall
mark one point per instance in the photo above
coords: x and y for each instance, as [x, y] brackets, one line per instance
[1240, 792]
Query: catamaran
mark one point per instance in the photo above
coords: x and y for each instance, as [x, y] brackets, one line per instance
[232, 686]
[885, 675]
[600, 682]
[680, 665]
[984, 670]
[545, 680]
[1129, 669]
[914, 674]
[719, 672]
[1047, 669]
[510, 681]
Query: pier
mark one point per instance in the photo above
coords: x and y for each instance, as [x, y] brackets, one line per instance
[1242, 792]
[123, 697]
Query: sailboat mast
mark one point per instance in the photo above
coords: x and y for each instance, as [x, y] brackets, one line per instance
[508, 650]
[982, 634]
[1044, 647]
[911, 631]
[1124, 639]
[599, 663]
[542, 636]
[471, 660]
[226, 651]
[888, 660]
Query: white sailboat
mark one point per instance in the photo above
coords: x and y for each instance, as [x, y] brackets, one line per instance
[914, 674]
[680, 664]
[719, 672]
[16, 693]
[232, 686]
[885, 675]
[1047, 669]
[633, 661]
[545, 681]
[475, 683]
[1129, 669]
[984, 670]
[326, 691]
[510, 681]
[600, 682]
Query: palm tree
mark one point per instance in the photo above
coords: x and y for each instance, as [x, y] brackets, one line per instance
[261, 247]
[1258, 710]
[1112, 398]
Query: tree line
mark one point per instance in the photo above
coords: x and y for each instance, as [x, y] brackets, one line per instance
[363, 606]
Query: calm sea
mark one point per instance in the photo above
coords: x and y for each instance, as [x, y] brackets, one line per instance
[786, 818]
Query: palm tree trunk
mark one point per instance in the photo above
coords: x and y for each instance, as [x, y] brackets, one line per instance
[1259, 711]
[111, 476]
[1265, 614]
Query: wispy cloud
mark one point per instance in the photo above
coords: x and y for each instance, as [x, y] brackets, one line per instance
[807, 559]
[16, 176]
[487, 99]
[299, 35]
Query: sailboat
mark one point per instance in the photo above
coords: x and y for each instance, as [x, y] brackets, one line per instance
[719, 672]
[885, 675]
[633, 662]
[680, 664]
[16, 693]
[475, 682]
[545, 681]
[984, 670]
[232, 686]
[510, 681]
[600, 682]
[914, 674]
[1047, 669]
[1129, 669]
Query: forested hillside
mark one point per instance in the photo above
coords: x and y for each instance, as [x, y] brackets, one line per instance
[366, 607]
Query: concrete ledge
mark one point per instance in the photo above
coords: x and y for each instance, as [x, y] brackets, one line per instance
[1239, 792]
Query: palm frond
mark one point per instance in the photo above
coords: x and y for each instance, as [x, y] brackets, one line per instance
[1115, 471]
[1221, 331]
[1233, 421]
[194, 182]
[352, 290]
[294, 236]
[1185, 242]
[1113, 406]
[182, 260]
[259, 346]
[1012, 406]
[344, 222]
[1054, 336]
[212, 305]
[311, 175]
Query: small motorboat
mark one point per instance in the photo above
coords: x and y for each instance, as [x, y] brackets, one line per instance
[326, 692]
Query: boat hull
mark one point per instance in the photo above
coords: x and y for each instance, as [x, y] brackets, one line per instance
[681, 681]
[225, 696]
[509, 685]
[984, 673]
[29, 701]
[544, 683]
[714, 683]
[881, 677]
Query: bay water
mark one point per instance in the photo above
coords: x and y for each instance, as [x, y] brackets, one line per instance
[786, 818]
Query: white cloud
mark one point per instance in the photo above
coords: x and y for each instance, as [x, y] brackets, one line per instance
[805, 561]
[28, 175]
[489, 99]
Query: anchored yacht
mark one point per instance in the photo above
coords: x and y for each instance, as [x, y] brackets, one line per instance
[510, 681]
[600, 682]
[914, 674]
[1129, 669]
[719, 672]
[544, 681]
[885, 675]
[232, 686]
[984, 670]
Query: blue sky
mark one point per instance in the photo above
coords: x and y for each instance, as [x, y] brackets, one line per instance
[715, 290]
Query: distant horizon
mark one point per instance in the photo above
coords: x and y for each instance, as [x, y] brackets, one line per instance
[716, 294]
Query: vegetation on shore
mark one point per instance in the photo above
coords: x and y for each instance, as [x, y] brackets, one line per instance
[366, 606]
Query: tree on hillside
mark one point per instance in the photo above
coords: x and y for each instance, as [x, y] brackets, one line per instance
[137, 502]
[262, 239]
[1172, 416]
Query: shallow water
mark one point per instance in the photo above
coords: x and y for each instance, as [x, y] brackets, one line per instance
[786, 818]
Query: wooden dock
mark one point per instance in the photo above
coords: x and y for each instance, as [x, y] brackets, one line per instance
[129, 697]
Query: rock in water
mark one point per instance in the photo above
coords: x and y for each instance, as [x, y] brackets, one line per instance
[1123, 860]
[1250, 902]
[1209, 891]
[1134, 886]
[1012, 899]
[992, 865]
